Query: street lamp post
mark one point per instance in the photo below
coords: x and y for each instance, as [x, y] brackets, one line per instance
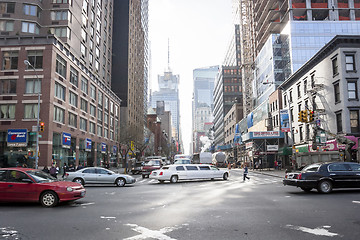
[27, 63]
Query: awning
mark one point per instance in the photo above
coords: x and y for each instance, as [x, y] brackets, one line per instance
[285, 151]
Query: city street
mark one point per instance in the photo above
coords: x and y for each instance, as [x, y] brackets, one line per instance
[261, 208]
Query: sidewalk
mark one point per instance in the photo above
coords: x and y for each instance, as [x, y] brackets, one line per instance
[271, 172]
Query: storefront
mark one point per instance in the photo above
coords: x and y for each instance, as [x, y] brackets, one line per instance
[64, 149]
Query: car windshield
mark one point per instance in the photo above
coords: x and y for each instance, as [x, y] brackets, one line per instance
[311, 168]
[40, 176]
[153, 162]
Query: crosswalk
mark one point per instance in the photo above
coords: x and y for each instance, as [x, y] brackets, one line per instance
[236, 179]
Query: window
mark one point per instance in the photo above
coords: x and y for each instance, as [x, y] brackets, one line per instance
[191, 168]
[28, 27]
[83, 49]
[92, 91]
[30, 111]
[354, 121]
[111, 107]
[83, 35]
[35, 58]
[106, 103]
[31, 10]
[83, 124]
[92, 127]
[60, 15]
[83, 104]
[290, 97]
[352, 90]
[337, 167]
[204, 167]
[7, 111]
[99, 130]
[338, 122]
[106, 119]
[7, 86]
[74, 76]
[59, 114]
[59, 91]
[7, 8]
[10, 60]
[92, 110]
[335, 66]
[100, 115]
[72, 120]
[298, 90]
[301, 133]
[100, 98]
[33, 86]
[350, 62]
[61, 66]
[337, 92]
[106, 133]
[62, 1]
[61, 32]
[180, 168]
[73, 99]
[305, 86]
[84, 85]
[6, 26]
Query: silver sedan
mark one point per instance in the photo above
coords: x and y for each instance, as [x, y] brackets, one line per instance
[99, 175]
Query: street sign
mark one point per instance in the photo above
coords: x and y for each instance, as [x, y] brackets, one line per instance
[34, 128]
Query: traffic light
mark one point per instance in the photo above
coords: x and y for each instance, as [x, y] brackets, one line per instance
[42, 126]
[304, 118]
[311, 116]
[300, 114]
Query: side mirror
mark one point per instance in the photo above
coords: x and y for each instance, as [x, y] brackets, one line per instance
[109, 173]
[26, 180]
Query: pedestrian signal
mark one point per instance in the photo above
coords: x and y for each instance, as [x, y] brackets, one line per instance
[42, 126]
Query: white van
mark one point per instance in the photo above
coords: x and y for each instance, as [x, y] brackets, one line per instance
[174, 173]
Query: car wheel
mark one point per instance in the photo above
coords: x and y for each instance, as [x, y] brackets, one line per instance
[174, 179]
[143, 176]
[305, 189]
[120, 182]
[79, 180]
[49, 199]
[325, 186]
[225, 176]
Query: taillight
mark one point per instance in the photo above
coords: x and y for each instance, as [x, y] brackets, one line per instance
[161, 173]
[298, 176]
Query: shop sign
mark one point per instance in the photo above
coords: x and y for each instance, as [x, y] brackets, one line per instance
[17, 138]
[88, 143]
[66, 140]
[115, 149]
[249, 145]
[266, 134]
[103, 147]
[272, 147]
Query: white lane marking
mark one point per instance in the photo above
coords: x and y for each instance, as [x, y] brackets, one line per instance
[86, 204]
[320, 231]
[356, 201]
[146, 233]
[107, 217]
[6, 232]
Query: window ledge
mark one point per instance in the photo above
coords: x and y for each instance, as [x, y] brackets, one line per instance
[353, 99]
[351, 71]
[336, 74]
[337, 102]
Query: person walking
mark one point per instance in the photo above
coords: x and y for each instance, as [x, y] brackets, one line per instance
[64, 170]
[246, 171]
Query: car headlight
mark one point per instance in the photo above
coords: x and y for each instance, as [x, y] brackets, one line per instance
[69, 189]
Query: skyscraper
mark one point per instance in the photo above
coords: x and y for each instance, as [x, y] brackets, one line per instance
[203, 105]
[130, 61]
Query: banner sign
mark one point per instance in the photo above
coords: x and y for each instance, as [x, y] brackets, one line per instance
[88, 143]
[266, 134]
[66, 140]
[115, 149]
[284, 120]
[103, 147]
[272, 147]
[17, 138]
[249, 145]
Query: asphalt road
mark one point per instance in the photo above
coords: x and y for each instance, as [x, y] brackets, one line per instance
[261, 208]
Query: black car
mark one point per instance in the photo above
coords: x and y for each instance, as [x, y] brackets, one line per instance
[325, 176]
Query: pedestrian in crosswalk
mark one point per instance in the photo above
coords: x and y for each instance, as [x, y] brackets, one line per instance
[246, 171]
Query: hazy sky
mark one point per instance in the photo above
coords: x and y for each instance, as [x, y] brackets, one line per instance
[199, 32]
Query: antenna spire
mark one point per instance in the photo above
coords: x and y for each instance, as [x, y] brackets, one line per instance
[169, 54]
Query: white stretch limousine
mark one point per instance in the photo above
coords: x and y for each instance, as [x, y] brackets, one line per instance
[173, 173]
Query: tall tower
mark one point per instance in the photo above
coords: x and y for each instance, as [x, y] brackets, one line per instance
[130, 61]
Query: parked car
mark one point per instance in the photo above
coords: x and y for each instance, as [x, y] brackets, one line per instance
[174, 173]
[33, 185]
[325, 176]
[151, 165]
[136, 169]
[182, 161]
[99, 175]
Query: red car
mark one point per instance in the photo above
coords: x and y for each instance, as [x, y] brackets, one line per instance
[33, 185]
